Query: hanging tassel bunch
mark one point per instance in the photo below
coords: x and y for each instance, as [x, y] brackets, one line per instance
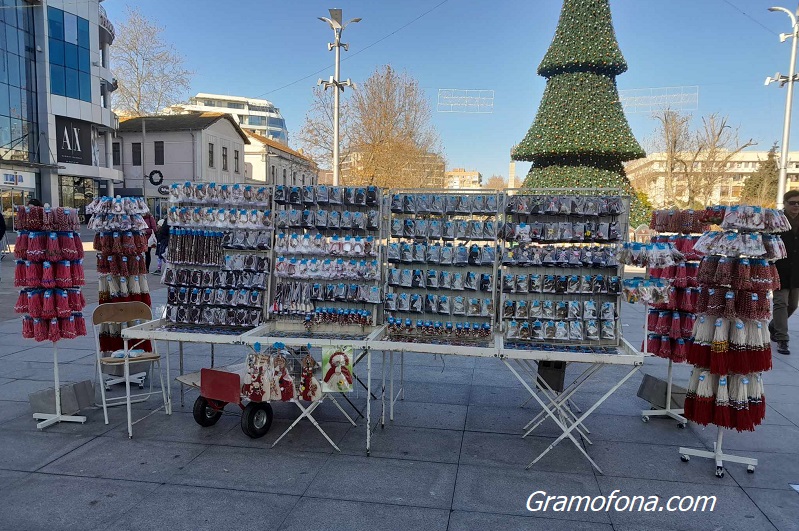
[747, 349]
[684, 221]
[738, 401]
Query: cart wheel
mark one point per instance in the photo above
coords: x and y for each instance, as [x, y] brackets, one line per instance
[204, 413]
[685, 458]
[719, 471]
[645, 419]
[256, 419]
[751, 469]
[681, 425]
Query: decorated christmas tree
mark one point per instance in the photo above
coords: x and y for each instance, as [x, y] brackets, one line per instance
[580, 136]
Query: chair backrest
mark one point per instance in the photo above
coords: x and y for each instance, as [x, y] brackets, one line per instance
[121, 312]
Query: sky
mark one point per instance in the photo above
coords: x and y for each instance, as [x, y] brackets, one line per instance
[277, 49]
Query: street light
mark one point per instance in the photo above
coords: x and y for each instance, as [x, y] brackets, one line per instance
[336, 25]
[783, 80]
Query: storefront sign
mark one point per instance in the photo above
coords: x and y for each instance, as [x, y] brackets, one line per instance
[163, 189]
[74, 141]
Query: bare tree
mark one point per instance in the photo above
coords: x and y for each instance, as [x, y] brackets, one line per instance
[150, 72]
[696, 161]
[388, 140]
[496, 182]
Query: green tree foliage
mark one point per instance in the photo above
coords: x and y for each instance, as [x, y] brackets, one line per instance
[580, 136]
[761, 187]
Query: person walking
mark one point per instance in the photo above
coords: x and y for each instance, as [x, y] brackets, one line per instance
[151, 239]
[162, 236]
[786, 299]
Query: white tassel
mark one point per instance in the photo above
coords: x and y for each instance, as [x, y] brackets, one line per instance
[143, 284]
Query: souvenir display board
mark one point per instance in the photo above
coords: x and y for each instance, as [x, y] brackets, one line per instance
[219, 256]
[442, 266]
[560, 281]
[49, 268]
[328, 257]
[120, 241]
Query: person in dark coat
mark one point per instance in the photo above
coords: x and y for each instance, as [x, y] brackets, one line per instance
[162, 235]
[149, 231]
[786, 299]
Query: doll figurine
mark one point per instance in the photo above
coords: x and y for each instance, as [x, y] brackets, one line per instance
[338, 376]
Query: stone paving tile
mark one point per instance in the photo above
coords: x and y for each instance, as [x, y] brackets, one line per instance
[625, 428]
[10, 409]
[399, 442]
[93, 427]
[361, 516]
[253, 469]
[765, 438]
[428, 415]
[180, 508]
[10, 477]
[393, 481]
[510, 420]
[178, 427]
[467, 520]
[65, 355]
[304, 437]
[135, 459]
[773, 471]
[437, 393]
[730, 500]
[506, 491]
[31, 450]
[44, 501]
[18, 390]
[781, 507]
[789, 412]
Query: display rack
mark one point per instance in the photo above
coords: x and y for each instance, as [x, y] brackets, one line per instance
[328, 251]
[442, 266]
[221, 239]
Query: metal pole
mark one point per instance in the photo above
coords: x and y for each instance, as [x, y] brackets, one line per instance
[336, 161]
[143, 159]
[786, 130]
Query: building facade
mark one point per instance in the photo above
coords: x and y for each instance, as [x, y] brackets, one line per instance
[55, 102]
[198, 147]
[271, 162]
[460, 178]
[725, 179]
[253, 115]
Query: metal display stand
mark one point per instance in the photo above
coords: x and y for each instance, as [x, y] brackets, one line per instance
[718, 455]
[48, 419]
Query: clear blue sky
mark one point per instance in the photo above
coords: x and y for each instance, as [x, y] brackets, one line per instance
[259, 48]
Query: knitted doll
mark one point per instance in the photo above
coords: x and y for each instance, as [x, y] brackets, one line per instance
[338, 377]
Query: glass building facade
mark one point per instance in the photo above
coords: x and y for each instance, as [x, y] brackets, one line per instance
[70, 59]
[18, 114]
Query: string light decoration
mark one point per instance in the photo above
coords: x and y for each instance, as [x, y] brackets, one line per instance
[580, 136]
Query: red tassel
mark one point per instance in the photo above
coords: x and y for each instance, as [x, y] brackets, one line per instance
[40, 329]
[20, 275]
[689, 300]
[48, 275]
[116, 243]
[63, 275]
[681, 276]
[67, 327]
[680, 351]
[53, 247]
[48, 305]
[97, 244]
[67, 244]
[113, 265]
[35, 303]
[22, 303]
[687, 322]
[141, 242]
[123, 267]
[663, 323]
[80, 324]
[74, 302]
[62, 303]
[48, 219]
[653, 344]
[21, 246]
[27, 327]
[675, 331]
[78, 278]
[651, 320]
[665, 348]
[78, 245]
[698, 355]
[20, 218]
[722, 416]
[128, 244]
[54, 332]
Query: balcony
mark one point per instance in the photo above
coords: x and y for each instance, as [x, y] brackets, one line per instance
[107, 26]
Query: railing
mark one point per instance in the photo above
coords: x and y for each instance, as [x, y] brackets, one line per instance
[105, 23]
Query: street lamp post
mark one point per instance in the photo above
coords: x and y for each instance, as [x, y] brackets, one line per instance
[337, 26]
[789, 80]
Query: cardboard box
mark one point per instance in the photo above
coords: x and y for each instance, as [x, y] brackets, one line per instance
[653, 390]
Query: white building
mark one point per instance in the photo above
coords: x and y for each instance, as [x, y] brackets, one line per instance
[460, 178]
[254, 115]
[269, 161]
[198, 147]
[55, 102]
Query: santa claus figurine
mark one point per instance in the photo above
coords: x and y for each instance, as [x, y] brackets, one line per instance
[338, 377]
[310, 389]
[282, 380]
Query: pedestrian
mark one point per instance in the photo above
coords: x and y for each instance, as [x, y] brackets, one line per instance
[162, 236]
[3, 246]
[149, 233]
[786, 299]
[34, 202]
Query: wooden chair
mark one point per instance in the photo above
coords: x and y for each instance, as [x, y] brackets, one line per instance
[122, 313]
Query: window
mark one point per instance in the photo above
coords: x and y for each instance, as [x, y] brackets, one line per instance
[209, 103]
[284, 176]
[236, 160]
[273, 174]
[116, 150]
[210, 155]
[232, 105]
[257, 120]
[70, 59]
[136, 146]
[159, 152]
[224, 159]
